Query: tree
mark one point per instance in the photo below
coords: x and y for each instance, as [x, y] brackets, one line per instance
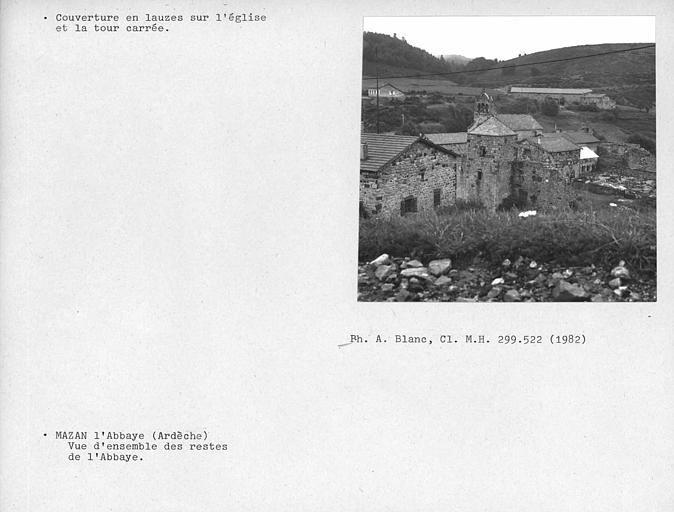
[550, 108]
[410, 128]
[645, 142]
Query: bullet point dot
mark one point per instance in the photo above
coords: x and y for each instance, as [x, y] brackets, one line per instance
[45, 17]
[44, 435]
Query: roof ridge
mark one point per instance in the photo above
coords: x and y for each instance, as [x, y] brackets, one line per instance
[495, 121]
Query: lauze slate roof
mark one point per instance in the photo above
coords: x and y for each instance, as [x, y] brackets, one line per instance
[554, 143]
[492, 127]
[381, 149]
[519, 122]
[448, 138]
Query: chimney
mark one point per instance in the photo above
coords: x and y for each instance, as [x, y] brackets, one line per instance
[586, 128]
[363, 151]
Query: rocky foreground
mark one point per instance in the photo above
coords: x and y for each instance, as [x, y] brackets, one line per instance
[524, 280]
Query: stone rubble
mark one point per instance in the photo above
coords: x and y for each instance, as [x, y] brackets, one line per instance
[631, 187]
[440, 267]
[524, 280]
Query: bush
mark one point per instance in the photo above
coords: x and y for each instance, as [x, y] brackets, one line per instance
[550, 108]
[583, 108]
[410, 128]
[565, 237]
[645, 142]
[457, 118]
[398, 235]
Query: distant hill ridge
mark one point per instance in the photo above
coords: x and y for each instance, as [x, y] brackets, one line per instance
[393, 56]
[626, 67]
[627, 76]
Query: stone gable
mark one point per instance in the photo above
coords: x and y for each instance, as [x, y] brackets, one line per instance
[419, 179]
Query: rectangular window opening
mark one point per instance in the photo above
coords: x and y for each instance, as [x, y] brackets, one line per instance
[408, 205]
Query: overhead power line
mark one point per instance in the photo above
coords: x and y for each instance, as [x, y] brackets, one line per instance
[449, 73]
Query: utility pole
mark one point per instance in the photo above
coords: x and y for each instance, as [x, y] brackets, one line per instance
[376, 58]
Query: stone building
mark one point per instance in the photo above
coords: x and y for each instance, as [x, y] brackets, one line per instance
[523, 125]
[535, 184]
[492, 164]
[404, 174]
[557, 152]
[565, 96]
[509, 160]
[386, 91]
[484, 108]
[543, 170]
[582, 137]
[601, 101]
[588, 161]
[485, 175]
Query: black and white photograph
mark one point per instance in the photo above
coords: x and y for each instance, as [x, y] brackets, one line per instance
[204, 308]
[508, 159]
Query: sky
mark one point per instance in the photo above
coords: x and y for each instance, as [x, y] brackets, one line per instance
[505, 37]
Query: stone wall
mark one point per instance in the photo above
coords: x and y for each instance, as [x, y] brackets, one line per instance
[494, 170]
[587, 166]
[565, 163]
[421, 173]
[485, 175]
[538, 185]
[543, 179]
[617, 156]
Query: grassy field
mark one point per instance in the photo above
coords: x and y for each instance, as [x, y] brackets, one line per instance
[612, 127]
[635, 121]
[427, 84]
[588, 236]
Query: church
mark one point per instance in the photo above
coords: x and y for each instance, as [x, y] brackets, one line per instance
[504, 160]
[509, 161]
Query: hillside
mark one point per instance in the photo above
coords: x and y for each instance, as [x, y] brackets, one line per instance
[628, 77]
[631, 67]
[392, 56]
